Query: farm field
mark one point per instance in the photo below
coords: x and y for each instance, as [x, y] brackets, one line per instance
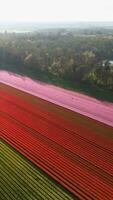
[20, 179]
[99, 110]
[74, 150]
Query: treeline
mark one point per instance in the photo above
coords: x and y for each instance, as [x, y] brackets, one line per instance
[82, 56]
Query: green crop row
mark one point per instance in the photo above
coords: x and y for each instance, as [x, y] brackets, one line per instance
[22, 180]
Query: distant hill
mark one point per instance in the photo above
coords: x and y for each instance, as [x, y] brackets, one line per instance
[35, 26]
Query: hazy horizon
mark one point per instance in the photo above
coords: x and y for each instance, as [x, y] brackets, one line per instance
[35, 26]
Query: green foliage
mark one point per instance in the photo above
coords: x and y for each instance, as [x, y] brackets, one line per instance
[74, 55]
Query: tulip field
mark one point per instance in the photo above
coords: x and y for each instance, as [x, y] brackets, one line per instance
[50, 152]
[22, 180]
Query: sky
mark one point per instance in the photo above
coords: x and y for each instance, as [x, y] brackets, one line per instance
[55, 10]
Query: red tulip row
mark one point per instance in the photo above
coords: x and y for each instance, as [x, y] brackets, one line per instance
[58, 121]
[84, 168]
[76, 145]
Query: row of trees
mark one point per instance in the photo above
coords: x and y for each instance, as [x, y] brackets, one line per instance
[69, 54]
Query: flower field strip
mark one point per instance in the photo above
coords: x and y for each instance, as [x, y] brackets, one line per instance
[47, 169]
[86, 134]
[81, 195]
[70, 116]
[73, 157]
[64, 138]
[67, 143]
[35, 148]
[21, 180]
